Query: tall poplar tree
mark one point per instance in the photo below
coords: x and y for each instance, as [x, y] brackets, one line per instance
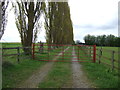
[58, 24]
[27, 21]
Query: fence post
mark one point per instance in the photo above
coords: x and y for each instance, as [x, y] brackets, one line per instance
[78, 54]
[63, 52]
[112, 60]
[18, 52]
[100, 54]
[90, 51]
[33, 51]
[94, 53]
[48, 53]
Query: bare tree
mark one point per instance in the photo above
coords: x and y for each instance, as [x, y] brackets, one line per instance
[3, 16]
[27, 21]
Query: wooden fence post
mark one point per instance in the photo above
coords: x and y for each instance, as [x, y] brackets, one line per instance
[90, 51]
[78, 54]
[112, 60]
[100, 54]
[94, 53]
[63, 53]
[48, 52]
[33, 51]
[18, 52]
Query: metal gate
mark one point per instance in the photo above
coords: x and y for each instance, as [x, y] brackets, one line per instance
[64, 53]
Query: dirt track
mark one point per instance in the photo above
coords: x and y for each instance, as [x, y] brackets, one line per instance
[39, 75]
[79, 78]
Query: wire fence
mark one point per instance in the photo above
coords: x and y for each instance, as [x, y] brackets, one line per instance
[108, 57]
[45, 52]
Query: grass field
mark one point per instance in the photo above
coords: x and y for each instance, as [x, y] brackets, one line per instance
[11, 44]
[100, 74]
[13, 72]
[109, 48]
[107, 55]
[60, 74]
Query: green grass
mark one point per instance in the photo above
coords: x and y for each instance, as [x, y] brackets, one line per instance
[13, 58]
[100, 75]
[14, 73]
[107, 52]
[11, 45]
[109, 48]
[83, 54]
[48, 55]
[59, 75]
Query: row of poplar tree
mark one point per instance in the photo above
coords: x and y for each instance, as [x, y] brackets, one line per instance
[58, 24]
[57, 21]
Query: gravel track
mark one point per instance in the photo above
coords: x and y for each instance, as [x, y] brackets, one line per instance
[79, 78]
[34, 80]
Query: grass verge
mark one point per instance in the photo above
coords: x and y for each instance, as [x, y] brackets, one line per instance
[100, 75]
[13, 74]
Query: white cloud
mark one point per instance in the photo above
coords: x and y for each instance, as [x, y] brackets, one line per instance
[95, 17]
[11, 33]
[92, 11]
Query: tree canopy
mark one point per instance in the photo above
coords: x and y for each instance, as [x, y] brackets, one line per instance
[102, 40]
[58, 24]
[27, 16]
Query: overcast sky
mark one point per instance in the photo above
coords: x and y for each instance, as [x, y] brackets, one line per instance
[94, 17]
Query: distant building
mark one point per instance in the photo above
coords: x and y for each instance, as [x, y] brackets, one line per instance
[81, 43]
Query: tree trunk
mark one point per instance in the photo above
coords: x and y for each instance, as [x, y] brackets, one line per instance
[28, 40]
[0, 19]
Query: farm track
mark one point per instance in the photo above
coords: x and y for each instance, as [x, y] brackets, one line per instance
[79, 78]
[39, 75]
